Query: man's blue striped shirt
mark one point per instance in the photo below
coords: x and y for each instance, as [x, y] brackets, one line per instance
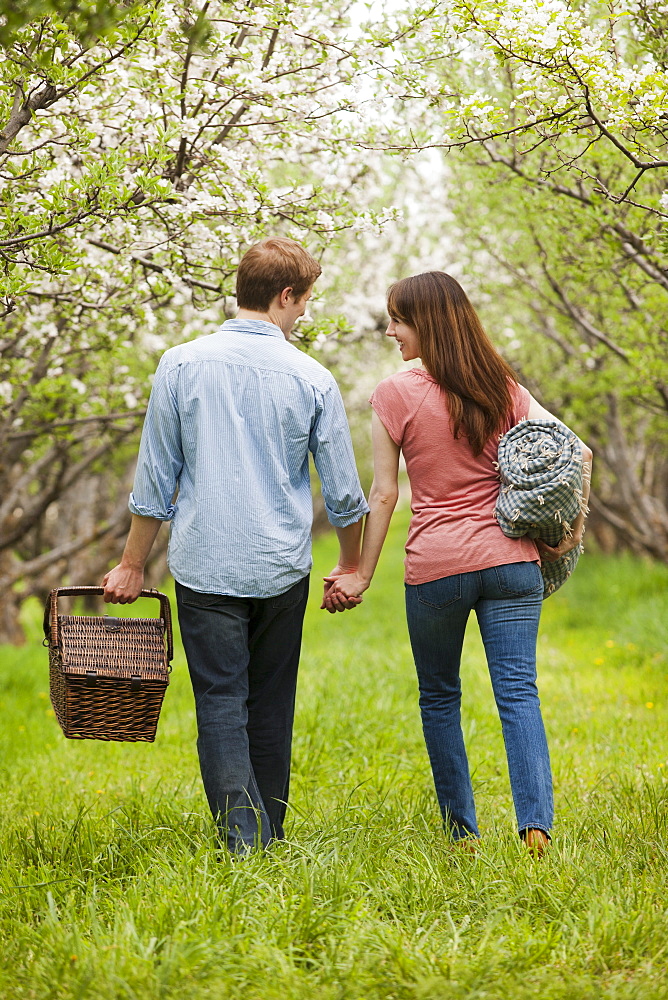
[231, 421]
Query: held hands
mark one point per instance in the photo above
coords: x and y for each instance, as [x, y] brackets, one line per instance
[343, 589]
[123, 585]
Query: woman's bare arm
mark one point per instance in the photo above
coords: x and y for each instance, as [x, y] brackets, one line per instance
[382, 501]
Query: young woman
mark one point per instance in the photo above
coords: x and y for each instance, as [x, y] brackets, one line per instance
[446, 418]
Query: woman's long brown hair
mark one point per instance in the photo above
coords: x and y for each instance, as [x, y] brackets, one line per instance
[457, 352]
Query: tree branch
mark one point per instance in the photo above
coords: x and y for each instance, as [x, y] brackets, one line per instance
[633, 246]
[51, 231]
[223, 134]
[152, 266]
[576, 314]
[39, 564]
[22, 114]
[12, 494]
[48, 94]
[640, 164]
[634, 252]
[100, 419]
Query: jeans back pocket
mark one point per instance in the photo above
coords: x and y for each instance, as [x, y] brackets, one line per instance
[440, 593]
[519, 579]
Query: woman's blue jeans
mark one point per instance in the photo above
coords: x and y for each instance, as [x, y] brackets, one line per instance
[507, 601]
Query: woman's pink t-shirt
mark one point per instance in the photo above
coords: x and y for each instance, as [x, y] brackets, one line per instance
[453, 529]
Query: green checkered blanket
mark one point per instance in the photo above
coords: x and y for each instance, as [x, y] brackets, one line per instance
[540, 467]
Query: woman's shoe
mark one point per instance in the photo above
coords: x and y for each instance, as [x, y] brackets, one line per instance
[537, 842]
[469, 845]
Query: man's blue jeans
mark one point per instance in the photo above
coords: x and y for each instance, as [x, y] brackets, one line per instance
[507, 601]
[243, 655]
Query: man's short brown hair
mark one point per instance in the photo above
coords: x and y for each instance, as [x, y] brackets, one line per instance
[269, 267]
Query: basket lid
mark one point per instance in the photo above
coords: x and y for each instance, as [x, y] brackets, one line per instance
[113, 647]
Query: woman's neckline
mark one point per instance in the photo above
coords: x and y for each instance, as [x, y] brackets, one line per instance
[423, 372]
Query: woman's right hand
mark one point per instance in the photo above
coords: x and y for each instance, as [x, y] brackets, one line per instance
[552, 553]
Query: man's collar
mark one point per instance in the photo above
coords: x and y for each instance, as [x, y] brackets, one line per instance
[252, 326]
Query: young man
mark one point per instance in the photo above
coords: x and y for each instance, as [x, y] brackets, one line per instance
[230, 423]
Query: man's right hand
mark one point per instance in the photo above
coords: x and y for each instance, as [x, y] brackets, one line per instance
[338, 602]
[123, 584]
[343, 590]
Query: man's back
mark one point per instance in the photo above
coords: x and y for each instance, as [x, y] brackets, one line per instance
[232, 418]
[230, 423]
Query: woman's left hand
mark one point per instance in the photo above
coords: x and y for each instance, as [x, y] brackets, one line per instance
[340, 591]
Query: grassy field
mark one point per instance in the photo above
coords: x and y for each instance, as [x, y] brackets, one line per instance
[112, 887]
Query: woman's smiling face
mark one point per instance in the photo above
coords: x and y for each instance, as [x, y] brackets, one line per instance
[406, 337]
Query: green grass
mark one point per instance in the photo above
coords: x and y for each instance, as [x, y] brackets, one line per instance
[111, 885]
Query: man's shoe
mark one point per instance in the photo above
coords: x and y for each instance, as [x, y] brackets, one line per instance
[465, 845]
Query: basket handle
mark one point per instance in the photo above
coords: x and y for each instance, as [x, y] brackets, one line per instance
[51, 611]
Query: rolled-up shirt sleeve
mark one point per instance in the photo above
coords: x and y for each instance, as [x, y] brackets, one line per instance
[160, 454]
[332, 450]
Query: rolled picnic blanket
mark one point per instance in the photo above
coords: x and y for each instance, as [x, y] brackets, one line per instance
[540, 467]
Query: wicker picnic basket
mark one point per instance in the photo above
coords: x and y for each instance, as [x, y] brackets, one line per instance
[108, 676]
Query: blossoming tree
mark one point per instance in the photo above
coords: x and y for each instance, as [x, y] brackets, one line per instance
[554, 114]
[136, 168]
